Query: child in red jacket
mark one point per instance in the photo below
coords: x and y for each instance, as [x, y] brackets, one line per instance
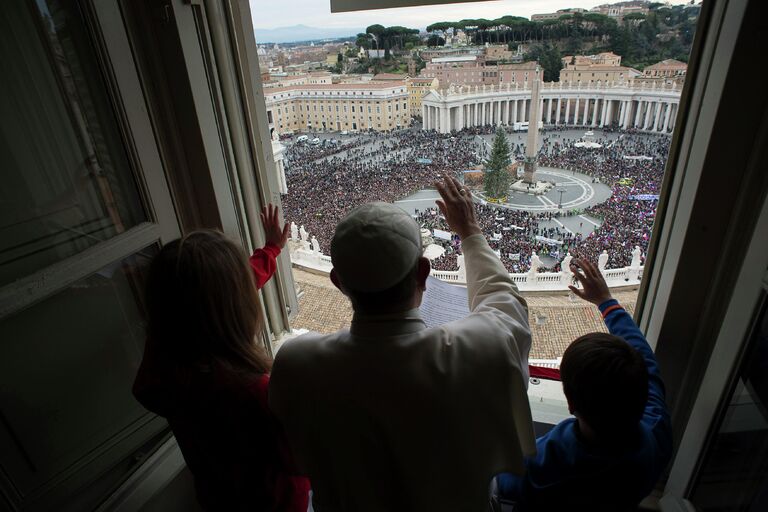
[206, 371]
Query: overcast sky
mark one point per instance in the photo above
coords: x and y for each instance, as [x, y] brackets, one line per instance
[317, 13]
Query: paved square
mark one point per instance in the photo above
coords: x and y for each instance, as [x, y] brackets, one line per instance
[555, 319]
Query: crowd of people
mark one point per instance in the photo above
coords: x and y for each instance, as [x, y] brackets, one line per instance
[325, 183]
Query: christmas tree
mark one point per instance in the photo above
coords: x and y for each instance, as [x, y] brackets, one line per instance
[497, 180]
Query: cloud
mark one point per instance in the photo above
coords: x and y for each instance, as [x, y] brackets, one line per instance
[317, 13]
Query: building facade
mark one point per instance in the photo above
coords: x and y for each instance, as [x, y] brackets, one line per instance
[515, 73]
[379, 106]
[418, 87]
[556, 15]
[574, 73]
[600, 59]
[621, 9]
[468, 71]
[498, 52]
[668, 68]
[644, 108]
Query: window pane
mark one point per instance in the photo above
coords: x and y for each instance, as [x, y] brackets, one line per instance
[734, 476]
[66, 181]
[66, 369]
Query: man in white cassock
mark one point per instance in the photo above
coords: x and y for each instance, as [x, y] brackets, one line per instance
[390, 415]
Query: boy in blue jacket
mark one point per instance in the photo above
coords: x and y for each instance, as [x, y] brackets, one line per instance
[610, 455]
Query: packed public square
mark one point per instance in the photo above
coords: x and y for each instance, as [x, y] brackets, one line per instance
[326, 180]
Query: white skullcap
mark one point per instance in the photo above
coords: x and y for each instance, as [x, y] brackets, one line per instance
[374, 247]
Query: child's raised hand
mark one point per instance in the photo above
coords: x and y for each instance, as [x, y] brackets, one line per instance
[594, 289]
[274, 233]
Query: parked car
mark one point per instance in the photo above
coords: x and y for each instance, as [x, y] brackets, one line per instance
[345, 132]
[302, 138]
[315, 141]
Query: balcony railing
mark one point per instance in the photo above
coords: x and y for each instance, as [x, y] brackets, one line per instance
[303, 256]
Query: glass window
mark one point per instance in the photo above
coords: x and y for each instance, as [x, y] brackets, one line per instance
[70, 357]
[734, 475]
[67, 184]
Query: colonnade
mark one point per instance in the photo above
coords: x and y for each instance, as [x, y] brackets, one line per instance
[642, 112]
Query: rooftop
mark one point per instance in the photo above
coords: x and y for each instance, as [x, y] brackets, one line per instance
[555, 320]
[667, 64]
[456, 58]
[341, 86]
[389, 76]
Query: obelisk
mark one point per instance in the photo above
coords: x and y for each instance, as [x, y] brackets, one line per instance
[532, 144]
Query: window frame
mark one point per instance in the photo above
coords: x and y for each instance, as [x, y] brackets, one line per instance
[107, 31]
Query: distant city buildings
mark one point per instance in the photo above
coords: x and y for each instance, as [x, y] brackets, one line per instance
[302, 95]
[617, 11]
[669, 68]
[602, 67]
[600, 59]
[373, 105]
[498, 52]
[597, 73]
[557, 14]
[621, 9]
[418, 87]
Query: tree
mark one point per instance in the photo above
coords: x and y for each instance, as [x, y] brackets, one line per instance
[376, 31]
[435, 40]
[497, 180]
[363, 41]
[550, 59]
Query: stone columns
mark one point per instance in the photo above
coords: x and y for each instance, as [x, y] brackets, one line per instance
[647, 115]
[567, 110]
[549, 111]
[524, 112]
[638, 113]
[622, 111]
[445, 120]
[576, 113]
[627, 113]
[658, 117]
[586, 112]
[498, 112]
[667, 115]
[505, 115]
[541, 112]
[474, 113]
[557, 114]
[514, 111]
[461, 117]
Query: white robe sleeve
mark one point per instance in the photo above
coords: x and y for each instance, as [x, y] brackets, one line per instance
[492, 292]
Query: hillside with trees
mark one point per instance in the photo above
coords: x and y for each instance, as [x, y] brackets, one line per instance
[666, 32]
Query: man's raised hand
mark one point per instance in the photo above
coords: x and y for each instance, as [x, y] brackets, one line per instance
[594, 289]
[457, 207]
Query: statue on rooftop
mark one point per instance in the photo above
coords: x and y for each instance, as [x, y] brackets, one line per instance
[294, 231]
[565, 270]
[315, 245]
[602, 260]
[635, 257]
[535, 263]
[304, 234]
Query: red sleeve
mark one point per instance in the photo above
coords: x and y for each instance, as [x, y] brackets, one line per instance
[263, 263]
